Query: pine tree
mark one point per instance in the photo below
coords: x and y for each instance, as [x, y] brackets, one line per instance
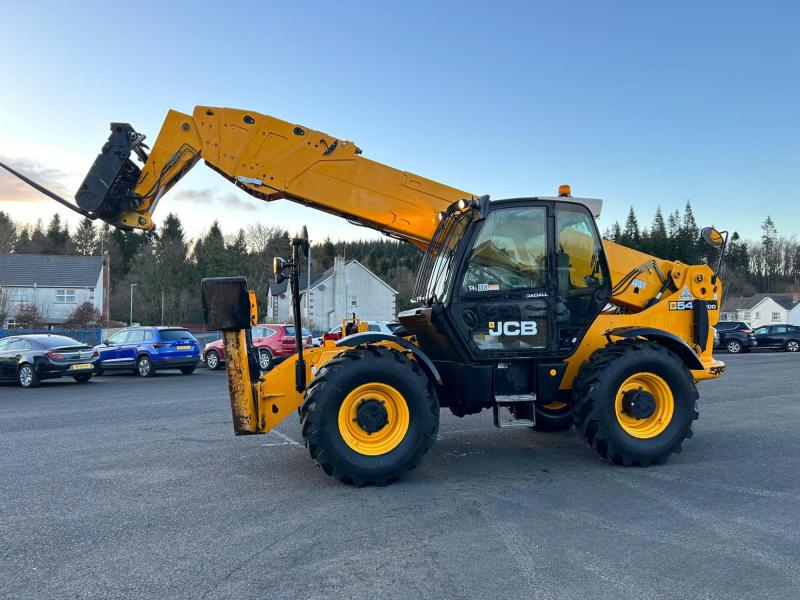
[659, 238]
[84, 241]
[631, 235]
[56, 238]
[8, 233]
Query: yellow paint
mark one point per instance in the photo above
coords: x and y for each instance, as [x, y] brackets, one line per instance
[656, 423]
[384, 440]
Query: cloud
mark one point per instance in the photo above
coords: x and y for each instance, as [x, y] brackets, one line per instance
[210, 196]
[14, 189]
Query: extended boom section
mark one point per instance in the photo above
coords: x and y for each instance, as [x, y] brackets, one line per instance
[270, 159]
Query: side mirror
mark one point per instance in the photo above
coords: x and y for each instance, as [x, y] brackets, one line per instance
[278, 265]
[712, 237]
[106, 343]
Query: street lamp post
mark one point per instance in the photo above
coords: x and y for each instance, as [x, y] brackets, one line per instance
[130, 320]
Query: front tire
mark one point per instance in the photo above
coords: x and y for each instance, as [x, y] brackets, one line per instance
[187, 370]
[634, 403]
[27, 376]
[792, 346]
[84, 378]
[369, 416]
[733, 347]
[144, 367]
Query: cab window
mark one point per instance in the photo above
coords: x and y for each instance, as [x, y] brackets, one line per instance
[510, 252]
[135, 336]
[578, 250]
[3, 344]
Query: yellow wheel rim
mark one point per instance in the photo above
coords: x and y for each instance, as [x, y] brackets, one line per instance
[657, 422]
[556, 405]
[388, 437]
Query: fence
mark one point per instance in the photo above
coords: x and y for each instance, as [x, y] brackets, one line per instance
[93, 336]
[90, 336]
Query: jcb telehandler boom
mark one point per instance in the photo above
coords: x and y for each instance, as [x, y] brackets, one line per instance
[522, 305]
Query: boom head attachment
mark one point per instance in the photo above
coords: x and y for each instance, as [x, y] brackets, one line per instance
[107, 190]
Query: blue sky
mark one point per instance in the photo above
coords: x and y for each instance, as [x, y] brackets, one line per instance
[637, 103]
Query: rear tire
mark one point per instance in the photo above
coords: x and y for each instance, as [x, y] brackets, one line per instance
[144, 367]
[213, 361]
[371, 383]
[82, 378]
[27, 376]
[733, 347]
[792, 346]
[99, 372]
[606, 398]
[265, 360]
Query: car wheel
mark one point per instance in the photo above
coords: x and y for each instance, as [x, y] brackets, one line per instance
[792, 346]
[27, 377]
[99, 372]
[144, 367]
[265, 361]
[82, 378]
[733, 347]
[212, 360]
[187, 370]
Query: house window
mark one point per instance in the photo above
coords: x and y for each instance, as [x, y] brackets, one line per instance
[19, 295]
[353, 301]
[758, 315]
[65, 296]
[776, 317]
[747, 315]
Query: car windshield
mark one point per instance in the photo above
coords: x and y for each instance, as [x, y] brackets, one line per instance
[174, 334]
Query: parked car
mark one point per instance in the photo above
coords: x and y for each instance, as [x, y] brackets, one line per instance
[28, 359]
[335, 333]
[275, 343]
[146, 350]
[735, 336]
[779, 337]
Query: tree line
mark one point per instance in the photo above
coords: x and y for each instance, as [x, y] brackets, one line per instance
[165, 266]
[768, 264]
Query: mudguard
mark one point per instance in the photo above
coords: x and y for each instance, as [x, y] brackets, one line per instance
[357, 339]
[665, 338]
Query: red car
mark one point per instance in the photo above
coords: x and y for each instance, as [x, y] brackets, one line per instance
[274, 342]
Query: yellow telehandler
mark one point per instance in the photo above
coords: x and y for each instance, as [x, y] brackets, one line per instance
[522, 307]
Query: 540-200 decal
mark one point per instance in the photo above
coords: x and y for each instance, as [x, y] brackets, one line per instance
[689, 305]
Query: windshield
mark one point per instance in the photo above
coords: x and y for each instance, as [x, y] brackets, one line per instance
[437, 264]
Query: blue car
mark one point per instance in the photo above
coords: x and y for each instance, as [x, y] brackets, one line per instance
[146, 350]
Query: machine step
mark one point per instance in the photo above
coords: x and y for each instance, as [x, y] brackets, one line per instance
[512, 399]
[508, 419]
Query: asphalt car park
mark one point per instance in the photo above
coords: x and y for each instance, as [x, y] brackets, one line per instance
[130, 487]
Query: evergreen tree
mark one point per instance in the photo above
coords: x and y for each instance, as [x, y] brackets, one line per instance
[85, 239]
[39, 243]
[631, 236]
[57, 238]
[8, 233]
[659, 238]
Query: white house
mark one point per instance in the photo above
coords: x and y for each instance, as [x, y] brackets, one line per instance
[763, 309]
[55, 284]
[346, 288]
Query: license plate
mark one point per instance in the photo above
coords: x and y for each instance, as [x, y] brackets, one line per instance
[183, 347]
[81, 367]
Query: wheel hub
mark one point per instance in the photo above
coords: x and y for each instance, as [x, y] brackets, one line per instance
[371, 416]
[638, 404]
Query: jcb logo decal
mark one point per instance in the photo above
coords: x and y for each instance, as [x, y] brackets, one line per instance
[512, 328]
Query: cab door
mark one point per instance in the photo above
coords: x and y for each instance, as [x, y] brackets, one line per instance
[501, 301]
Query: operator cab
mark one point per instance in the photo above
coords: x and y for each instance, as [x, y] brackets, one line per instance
[509, 284]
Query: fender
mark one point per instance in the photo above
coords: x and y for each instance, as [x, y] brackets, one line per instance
[665, 338]
[357, 339]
